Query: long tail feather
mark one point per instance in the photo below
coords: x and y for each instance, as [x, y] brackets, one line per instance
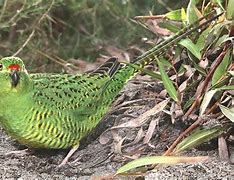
[163, 46]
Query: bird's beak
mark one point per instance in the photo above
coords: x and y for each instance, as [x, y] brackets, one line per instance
[14, 78]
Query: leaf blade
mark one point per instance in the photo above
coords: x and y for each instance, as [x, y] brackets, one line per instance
[228, 112]
[193, 48]
[167, 82]
[199, 137]
[159, 160]
[222, 68]
[206, 100]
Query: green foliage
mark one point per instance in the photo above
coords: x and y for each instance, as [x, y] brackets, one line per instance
[228, 112]
[158, 160]
[221, 70]
[204, 78]
[198, 137]
[193, 48]
[168, 84]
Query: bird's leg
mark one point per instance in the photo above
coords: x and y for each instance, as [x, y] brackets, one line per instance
[20, 152]
[71, 152]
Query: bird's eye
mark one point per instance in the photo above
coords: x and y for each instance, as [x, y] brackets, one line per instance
[0, 67]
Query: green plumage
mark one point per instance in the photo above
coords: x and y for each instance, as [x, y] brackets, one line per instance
[57, 110]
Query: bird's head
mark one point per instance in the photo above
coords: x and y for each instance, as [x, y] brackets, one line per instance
[12, 74]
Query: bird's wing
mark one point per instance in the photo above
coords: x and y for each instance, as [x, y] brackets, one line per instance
[79, 93]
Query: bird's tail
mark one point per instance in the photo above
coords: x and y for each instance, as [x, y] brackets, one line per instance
[120, 73]
[162, 47]
[113, 66]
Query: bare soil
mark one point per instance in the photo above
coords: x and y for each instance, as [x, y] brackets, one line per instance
[95, 159]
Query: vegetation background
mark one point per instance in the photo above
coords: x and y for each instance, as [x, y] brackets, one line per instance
[48, 34]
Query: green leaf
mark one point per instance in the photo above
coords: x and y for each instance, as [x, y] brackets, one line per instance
[217, 33]
[174, 15]
[222, 68]
[168, 84]
[183, 15]
[199, 137]
[165, 63]
[231, 87]
[191, 11]
[223, 39]
[222, 83]
[202, 39]
[206, 100]
[170, 27]
[219, 2]
[208, 96]
[158, 160]
[228, 112]
[193, 48]
[230, 10]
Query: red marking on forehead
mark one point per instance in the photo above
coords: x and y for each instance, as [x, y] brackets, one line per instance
[14, 67]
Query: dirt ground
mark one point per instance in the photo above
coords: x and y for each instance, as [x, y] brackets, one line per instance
[95, 159]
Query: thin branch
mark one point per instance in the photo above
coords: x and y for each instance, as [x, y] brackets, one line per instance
[34, 29]
[17, 12]
[205, 83]
[25, 43]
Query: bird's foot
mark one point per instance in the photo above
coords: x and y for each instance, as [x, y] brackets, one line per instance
[20, 152]
[71, 152]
